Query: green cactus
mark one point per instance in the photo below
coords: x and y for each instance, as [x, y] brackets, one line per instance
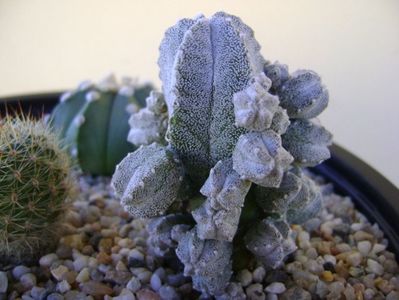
[237, 126]
[93, 121]
[34, 186]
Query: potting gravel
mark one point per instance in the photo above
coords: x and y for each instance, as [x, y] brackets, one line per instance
[103, 254]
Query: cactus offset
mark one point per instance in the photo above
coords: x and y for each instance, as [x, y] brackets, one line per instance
[237, 126]
[93, 122]
[34, 186]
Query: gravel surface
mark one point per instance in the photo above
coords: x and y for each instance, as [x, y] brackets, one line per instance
[103, 254]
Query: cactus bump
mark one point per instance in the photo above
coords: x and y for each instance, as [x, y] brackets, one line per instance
[34, 187]
[93, 122]
[240, 130]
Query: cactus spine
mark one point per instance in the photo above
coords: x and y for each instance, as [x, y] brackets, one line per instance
[34, 186]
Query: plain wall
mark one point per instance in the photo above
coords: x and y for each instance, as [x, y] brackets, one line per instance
[48, 45]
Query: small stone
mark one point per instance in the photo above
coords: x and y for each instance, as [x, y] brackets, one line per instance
[134, 284]
[275, 288]
[88, 250]
[377, 248]
[121, 267]
[125, 295]
[105, 245]
[296, 293]
[18, 271]
[144, 276]
[362, 235]
[64, 251]
[384, 286]
[354, 259]
[59, 272]
[255, 292]
[321, 289]
[147, 294]
[63, 286]
[103, 258]
[47, 260]
[313, 266]
[271, 296]
[327, 276]
[126, 243]
[55, 296]
[3, 282]
[374, 267]
[259, 274]
[356, 272]
[311, 253]
[364, 247]
[349, 292]
[75, 241]
[38, 293]
[136, 259]
[155, 282]
[167, 292]
[244, 277]
[28, 280]
[83, 275]
[94, 288]
[368, 294]
[80, 262]
[303, 240]
[393, 295]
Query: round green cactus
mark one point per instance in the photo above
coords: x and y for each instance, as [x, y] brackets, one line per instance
[34, 186]
[93, 121]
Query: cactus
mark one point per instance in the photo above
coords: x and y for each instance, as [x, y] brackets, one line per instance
[93, 122]
[239, 127]
[34, 187]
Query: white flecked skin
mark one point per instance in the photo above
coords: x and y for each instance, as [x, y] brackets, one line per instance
[208, 262]
[260, 158]
[308, 142]
[218, 216]
[254, 107]
[148, 181]
[297, 198]
[203, 62]
[149, 124]
[270, 241]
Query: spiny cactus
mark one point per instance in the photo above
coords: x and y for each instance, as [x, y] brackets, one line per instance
[34, 186]
[93, 122]
[237, 126]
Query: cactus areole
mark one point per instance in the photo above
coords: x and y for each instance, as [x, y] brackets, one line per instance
[238, 132]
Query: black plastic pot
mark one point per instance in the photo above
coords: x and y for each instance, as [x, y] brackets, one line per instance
[373, 195]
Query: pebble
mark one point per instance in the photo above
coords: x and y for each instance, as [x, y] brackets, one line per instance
[327, 276]
[134, 284]
[259, 274]
[80, 263]
[166, 292]
[136, 259]
[393, 296]
[296, 293]
[18, 271]
[244, 277]
[63, 286]
[28, 280]
[3, 282]
[374, 267]
[55, 296]
[96, 288]
[59, 272]
[47, 260]
[83, 276]
[147, 294]
[255, 292]
[354, 259]
[275, 288]
[364, 247]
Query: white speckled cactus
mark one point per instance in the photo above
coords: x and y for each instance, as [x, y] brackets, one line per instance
[237, 126]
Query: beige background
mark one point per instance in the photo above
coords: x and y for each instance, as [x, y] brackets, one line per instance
[48, 45]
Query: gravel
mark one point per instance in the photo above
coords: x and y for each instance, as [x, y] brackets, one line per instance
[103, 254]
